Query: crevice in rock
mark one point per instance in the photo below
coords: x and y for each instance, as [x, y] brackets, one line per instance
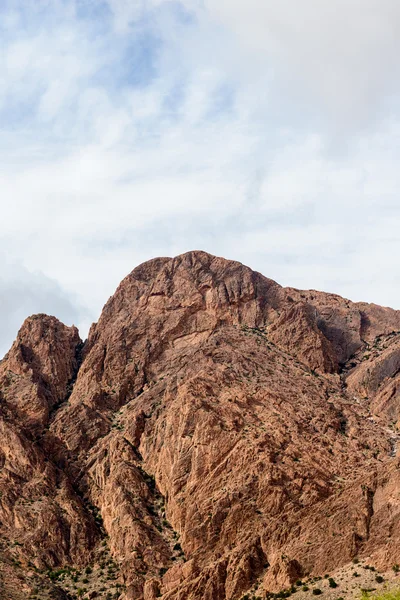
[78, 363]
[370, 510]
[157, 509]
[71, 383]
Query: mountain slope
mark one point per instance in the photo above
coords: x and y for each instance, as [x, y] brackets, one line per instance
[217, 432]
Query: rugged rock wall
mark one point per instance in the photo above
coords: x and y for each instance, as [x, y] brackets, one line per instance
[225, 433]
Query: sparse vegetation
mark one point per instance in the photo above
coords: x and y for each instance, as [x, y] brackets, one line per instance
[388, 595]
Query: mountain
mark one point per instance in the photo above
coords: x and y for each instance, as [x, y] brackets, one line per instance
[216, 437]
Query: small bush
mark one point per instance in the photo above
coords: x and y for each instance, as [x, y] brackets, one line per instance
[332, 582]
[305, 588]
[178, 547]
[379, 579]
[317, 592]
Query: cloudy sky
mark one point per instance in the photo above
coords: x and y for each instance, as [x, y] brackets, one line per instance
[266, 131]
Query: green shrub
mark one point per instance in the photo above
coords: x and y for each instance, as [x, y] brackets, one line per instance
[178, 547]
[389, 595]
[332, 582]
[317, 592]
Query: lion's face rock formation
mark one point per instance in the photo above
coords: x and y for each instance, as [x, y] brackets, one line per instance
[217, 434]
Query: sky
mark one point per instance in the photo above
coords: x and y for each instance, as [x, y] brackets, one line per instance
[264, 131]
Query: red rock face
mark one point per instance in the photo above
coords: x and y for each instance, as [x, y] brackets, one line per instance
[39, 511]
[232, 434]
[35, 374]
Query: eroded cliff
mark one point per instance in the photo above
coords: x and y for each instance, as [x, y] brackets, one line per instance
[217, 434]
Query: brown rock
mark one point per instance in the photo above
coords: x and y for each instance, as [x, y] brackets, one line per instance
[230, 432]
[36, 372]
[151, 589]
[38, 506]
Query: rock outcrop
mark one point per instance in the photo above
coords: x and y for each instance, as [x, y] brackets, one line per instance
[220, 434]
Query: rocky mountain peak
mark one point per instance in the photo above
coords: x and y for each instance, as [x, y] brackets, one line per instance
[217, 435]
[36, 372]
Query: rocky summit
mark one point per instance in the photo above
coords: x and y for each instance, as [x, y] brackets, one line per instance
[216, 437]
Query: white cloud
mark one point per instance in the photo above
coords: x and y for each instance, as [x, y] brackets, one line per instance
[126, 12]
[342, 53]
[245, 129]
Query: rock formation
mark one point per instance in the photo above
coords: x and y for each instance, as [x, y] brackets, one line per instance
[217, 435]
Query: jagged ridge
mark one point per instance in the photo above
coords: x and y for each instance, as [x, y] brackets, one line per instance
[271, 457]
